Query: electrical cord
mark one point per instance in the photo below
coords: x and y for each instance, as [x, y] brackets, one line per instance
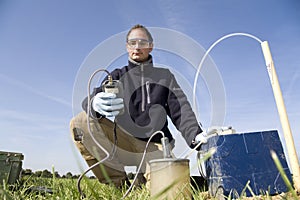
[189, 151]
[142, 160]
[89, 113]
[200, 165]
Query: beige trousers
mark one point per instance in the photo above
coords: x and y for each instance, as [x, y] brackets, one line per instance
[124, 149]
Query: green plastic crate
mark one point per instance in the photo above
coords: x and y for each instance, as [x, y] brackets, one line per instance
[10, 166]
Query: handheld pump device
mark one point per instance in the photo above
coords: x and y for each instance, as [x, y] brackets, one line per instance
[112, 86]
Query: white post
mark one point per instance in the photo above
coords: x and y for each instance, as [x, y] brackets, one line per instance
[292, 154]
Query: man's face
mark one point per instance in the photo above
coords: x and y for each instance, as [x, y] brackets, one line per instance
[138, 46]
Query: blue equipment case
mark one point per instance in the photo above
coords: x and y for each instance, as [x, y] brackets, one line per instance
[240, 158]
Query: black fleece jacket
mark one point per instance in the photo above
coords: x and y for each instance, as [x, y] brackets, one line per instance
[150, 95]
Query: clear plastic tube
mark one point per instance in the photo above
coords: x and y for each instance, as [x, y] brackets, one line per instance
[204, 57]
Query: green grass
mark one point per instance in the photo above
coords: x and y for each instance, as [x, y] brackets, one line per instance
[31, 187]
[59, 188]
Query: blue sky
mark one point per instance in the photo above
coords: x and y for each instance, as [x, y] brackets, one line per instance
[44, 43]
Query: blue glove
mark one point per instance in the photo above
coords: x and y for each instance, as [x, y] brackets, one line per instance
[107, 104]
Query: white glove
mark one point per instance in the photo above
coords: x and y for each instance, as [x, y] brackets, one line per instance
[107, 104]
[220, 130]
[201, 138]
[212, 131]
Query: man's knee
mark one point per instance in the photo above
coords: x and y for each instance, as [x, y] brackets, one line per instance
[77, 134]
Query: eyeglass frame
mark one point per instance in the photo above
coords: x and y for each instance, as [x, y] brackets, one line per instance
[138, 40]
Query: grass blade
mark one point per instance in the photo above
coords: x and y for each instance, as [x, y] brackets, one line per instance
[283, 175]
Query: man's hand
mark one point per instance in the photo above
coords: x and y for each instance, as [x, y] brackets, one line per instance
[107, 104]
[201, 138]
[212, 131]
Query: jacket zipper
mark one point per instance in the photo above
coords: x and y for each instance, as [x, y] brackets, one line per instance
[143, 90]
[148, 92]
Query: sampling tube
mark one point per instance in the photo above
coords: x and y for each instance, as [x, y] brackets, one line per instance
[294, 163]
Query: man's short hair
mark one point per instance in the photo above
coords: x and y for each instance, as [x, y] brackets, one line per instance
[139, 26]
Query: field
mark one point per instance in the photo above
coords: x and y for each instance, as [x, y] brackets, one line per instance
[49, 185]
[66, 188]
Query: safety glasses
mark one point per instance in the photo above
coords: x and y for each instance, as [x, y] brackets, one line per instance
[138, 43]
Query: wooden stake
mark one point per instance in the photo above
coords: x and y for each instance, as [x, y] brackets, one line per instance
[291, 150]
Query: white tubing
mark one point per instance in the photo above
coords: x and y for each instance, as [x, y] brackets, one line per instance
[291, 150]
[204, 57]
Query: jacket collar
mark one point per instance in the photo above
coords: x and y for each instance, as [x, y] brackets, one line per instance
[148, 63]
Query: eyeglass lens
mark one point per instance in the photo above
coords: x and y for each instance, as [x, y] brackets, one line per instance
[141, 43]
